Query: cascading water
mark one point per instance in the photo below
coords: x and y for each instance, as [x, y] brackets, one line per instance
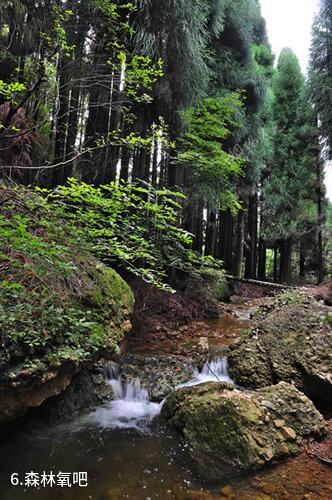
[215, 370]
[132, 408]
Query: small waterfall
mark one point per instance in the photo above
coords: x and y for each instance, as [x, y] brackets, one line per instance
[215, 370]
[124, 390]
[131, 407]
[218, 368]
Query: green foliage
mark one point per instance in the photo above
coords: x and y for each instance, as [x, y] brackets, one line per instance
[56, 300]
[320, 71]
[11, 90]
[31, 322]
[178, 34]
[141, 74]
[57, 37]
[289, 191]
[202, 149]
[132, 225]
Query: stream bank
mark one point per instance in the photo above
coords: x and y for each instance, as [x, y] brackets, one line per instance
[129, 454]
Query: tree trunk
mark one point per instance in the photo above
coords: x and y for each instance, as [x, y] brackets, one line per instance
[210, 241]
[238, 261]
[320, 222]
[285, 261]
[226, 235]
[251, 251]
[125, 160]
[198, 241]
[275, 264]
[61, 122]
[155, 164]
[262, 259]
[302, 259]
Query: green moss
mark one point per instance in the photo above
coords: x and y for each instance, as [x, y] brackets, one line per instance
[57, 302]
[227, 431]
[110, 290]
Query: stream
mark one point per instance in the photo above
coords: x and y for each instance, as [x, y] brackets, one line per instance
[128, 453]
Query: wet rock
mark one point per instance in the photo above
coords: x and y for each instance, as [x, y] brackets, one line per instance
[225, 427]
[291, 342]
[279, 423]
[87, 389]
[158, 374]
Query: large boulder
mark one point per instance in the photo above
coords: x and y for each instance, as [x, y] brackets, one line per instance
[291, 342]
[30, 377]
[61, 309]
[231, 431]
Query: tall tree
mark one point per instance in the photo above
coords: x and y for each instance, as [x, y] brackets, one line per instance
[320, 71]
[288, 191]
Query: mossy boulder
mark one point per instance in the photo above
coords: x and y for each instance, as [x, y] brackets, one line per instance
[81, 330]
[291, 342]
[230, 432]
[60, 307]
[208, 288]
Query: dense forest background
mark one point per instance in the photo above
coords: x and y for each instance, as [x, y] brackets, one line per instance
[180, 97]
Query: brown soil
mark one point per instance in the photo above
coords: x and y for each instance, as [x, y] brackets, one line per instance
[163, 321]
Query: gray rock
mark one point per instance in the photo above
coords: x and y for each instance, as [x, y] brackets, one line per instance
[227, 430]
[291, 343]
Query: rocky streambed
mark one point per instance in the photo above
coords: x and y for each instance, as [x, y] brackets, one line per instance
[240, 436]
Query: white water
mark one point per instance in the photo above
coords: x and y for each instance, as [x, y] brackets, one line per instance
[132, 408]
[215, 370]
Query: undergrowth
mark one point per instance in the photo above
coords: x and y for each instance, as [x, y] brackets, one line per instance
[51, 303]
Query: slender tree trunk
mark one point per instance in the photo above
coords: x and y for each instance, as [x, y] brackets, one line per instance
[61, 122]
[198, 241]
[210, 242]
[172, 174]
[302, 259]
[125, 160]
[320, 221]
[239, 245]
[114, 126]
[76, 74]
[251, 252]
[164, 169]
[155, 164]
[262, 259]
[285, 261]
[227, 240]
[275, 264]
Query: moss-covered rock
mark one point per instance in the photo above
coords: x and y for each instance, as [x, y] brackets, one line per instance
[208, 288]
[96, 322]
[60, 308]
[291, 342]
[231, 431]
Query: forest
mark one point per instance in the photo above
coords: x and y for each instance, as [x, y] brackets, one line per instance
[184, 97]
[165, 252]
